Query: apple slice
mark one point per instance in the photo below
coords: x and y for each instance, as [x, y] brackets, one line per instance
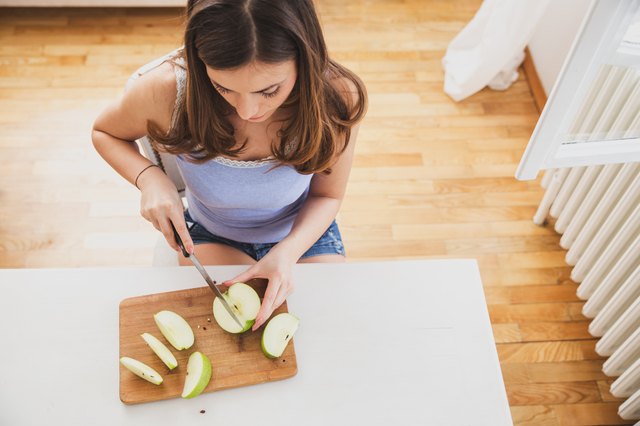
[161, 350]
[141, 369]
[175, 329]
[198, 375]
[244, 301]
[277, 333]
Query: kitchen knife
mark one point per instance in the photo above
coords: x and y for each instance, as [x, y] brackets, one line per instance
[205, 275]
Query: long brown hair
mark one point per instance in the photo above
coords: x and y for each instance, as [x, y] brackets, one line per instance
[227, 34]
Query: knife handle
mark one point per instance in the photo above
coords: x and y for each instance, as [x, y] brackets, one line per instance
[179, 241]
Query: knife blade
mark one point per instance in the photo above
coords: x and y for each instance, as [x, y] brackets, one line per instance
[205, 275]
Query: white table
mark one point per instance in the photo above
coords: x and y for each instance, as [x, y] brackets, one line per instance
[404, 343]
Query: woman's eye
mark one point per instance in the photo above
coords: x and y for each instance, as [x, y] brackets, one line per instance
[271, 94]
[221, 89]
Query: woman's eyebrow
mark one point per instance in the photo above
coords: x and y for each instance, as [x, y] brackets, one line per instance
[259, 91]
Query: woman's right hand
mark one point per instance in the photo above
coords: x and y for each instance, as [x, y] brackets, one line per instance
[161, 205]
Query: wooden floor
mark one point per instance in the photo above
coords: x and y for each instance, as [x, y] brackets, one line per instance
[432, 178]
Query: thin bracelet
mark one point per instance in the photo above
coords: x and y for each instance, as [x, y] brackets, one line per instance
[141, 172]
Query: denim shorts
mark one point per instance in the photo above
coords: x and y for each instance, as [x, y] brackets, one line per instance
[329, 243]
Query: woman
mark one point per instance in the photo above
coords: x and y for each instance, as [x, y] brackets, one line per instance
[263, 126]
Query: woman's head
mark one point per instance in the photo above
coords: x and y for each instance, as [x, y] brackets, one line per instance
[255, 90]
[252, 57]
[227, 34]
[264, 39]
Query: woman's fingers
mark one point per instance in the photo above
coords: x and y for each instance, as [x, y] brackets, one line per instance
[167, 231]
[177, 218]
[272, 302]
[155, 224]
[283, 292]
[242, 278]
[266, 308]
[162, 208]
[162, 217]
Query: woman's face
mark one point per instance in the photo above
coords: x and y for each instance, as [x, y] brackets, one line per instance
[255, 90]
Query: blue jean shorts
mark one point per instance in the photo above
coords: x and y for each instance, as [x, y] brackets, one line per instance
[329, 243]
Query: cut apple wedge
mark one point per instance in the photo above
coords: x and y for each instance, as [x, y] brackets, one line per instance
[277, 334]
[198, 375]
[141, 369]
[175, 329]
[244, 301]
[161, 350]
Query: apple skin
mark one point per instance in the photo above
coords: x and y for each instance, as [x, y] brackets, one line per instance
[244, 300]
[284, 324]
[205, 375]
[265, 352]
[161, 350]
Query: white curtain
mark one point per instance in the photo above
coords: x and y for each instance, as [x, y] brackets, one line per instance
[489, 50]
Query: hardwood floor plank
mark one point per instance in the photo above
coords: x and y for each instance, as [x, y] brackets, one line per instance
[506, 333]
[603, 413]
[499, 277]
[531, 294]
[553, 331]
[532, 312]
[565, 371]
[534, 415]
[483, 230]
[470, 246]
[604, 387]
[547, 351]
[553, 393]
[540, 259]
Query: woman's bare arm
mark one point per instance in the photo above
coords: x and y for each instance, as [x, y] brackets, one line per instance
[151, 97]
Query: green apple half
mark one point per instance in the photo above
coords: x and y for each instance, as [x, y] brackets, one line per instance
[245, 303]
[198, 375]
[175, 329]
[141, 369]
[161, 350]
[277, 334]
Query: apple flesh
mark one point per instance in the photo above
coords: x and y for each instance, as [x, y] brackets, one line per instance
[245, 303]
[198, 375]
[175, 329]
[141, 369]
[161, 350]
[277, 334]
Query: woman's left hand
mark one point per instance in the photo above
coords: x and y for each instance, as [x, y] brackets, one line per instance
[275, 267]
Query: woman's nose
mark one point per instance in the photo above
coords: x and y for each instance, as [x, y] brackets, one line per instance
[246, 107]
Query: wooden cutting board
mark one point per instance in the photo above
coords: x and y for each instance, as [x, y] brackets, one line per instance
[236, 360]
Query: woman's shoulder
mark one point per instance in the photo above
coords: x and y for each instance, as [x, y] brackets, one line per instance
[159, 82]
[156, 88]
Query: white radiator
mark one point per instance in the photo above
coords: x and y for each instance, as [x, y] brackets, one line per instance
[598, 214]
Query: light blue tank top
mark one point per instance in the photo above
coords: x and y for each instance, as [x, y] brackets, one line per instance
[248, 201]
